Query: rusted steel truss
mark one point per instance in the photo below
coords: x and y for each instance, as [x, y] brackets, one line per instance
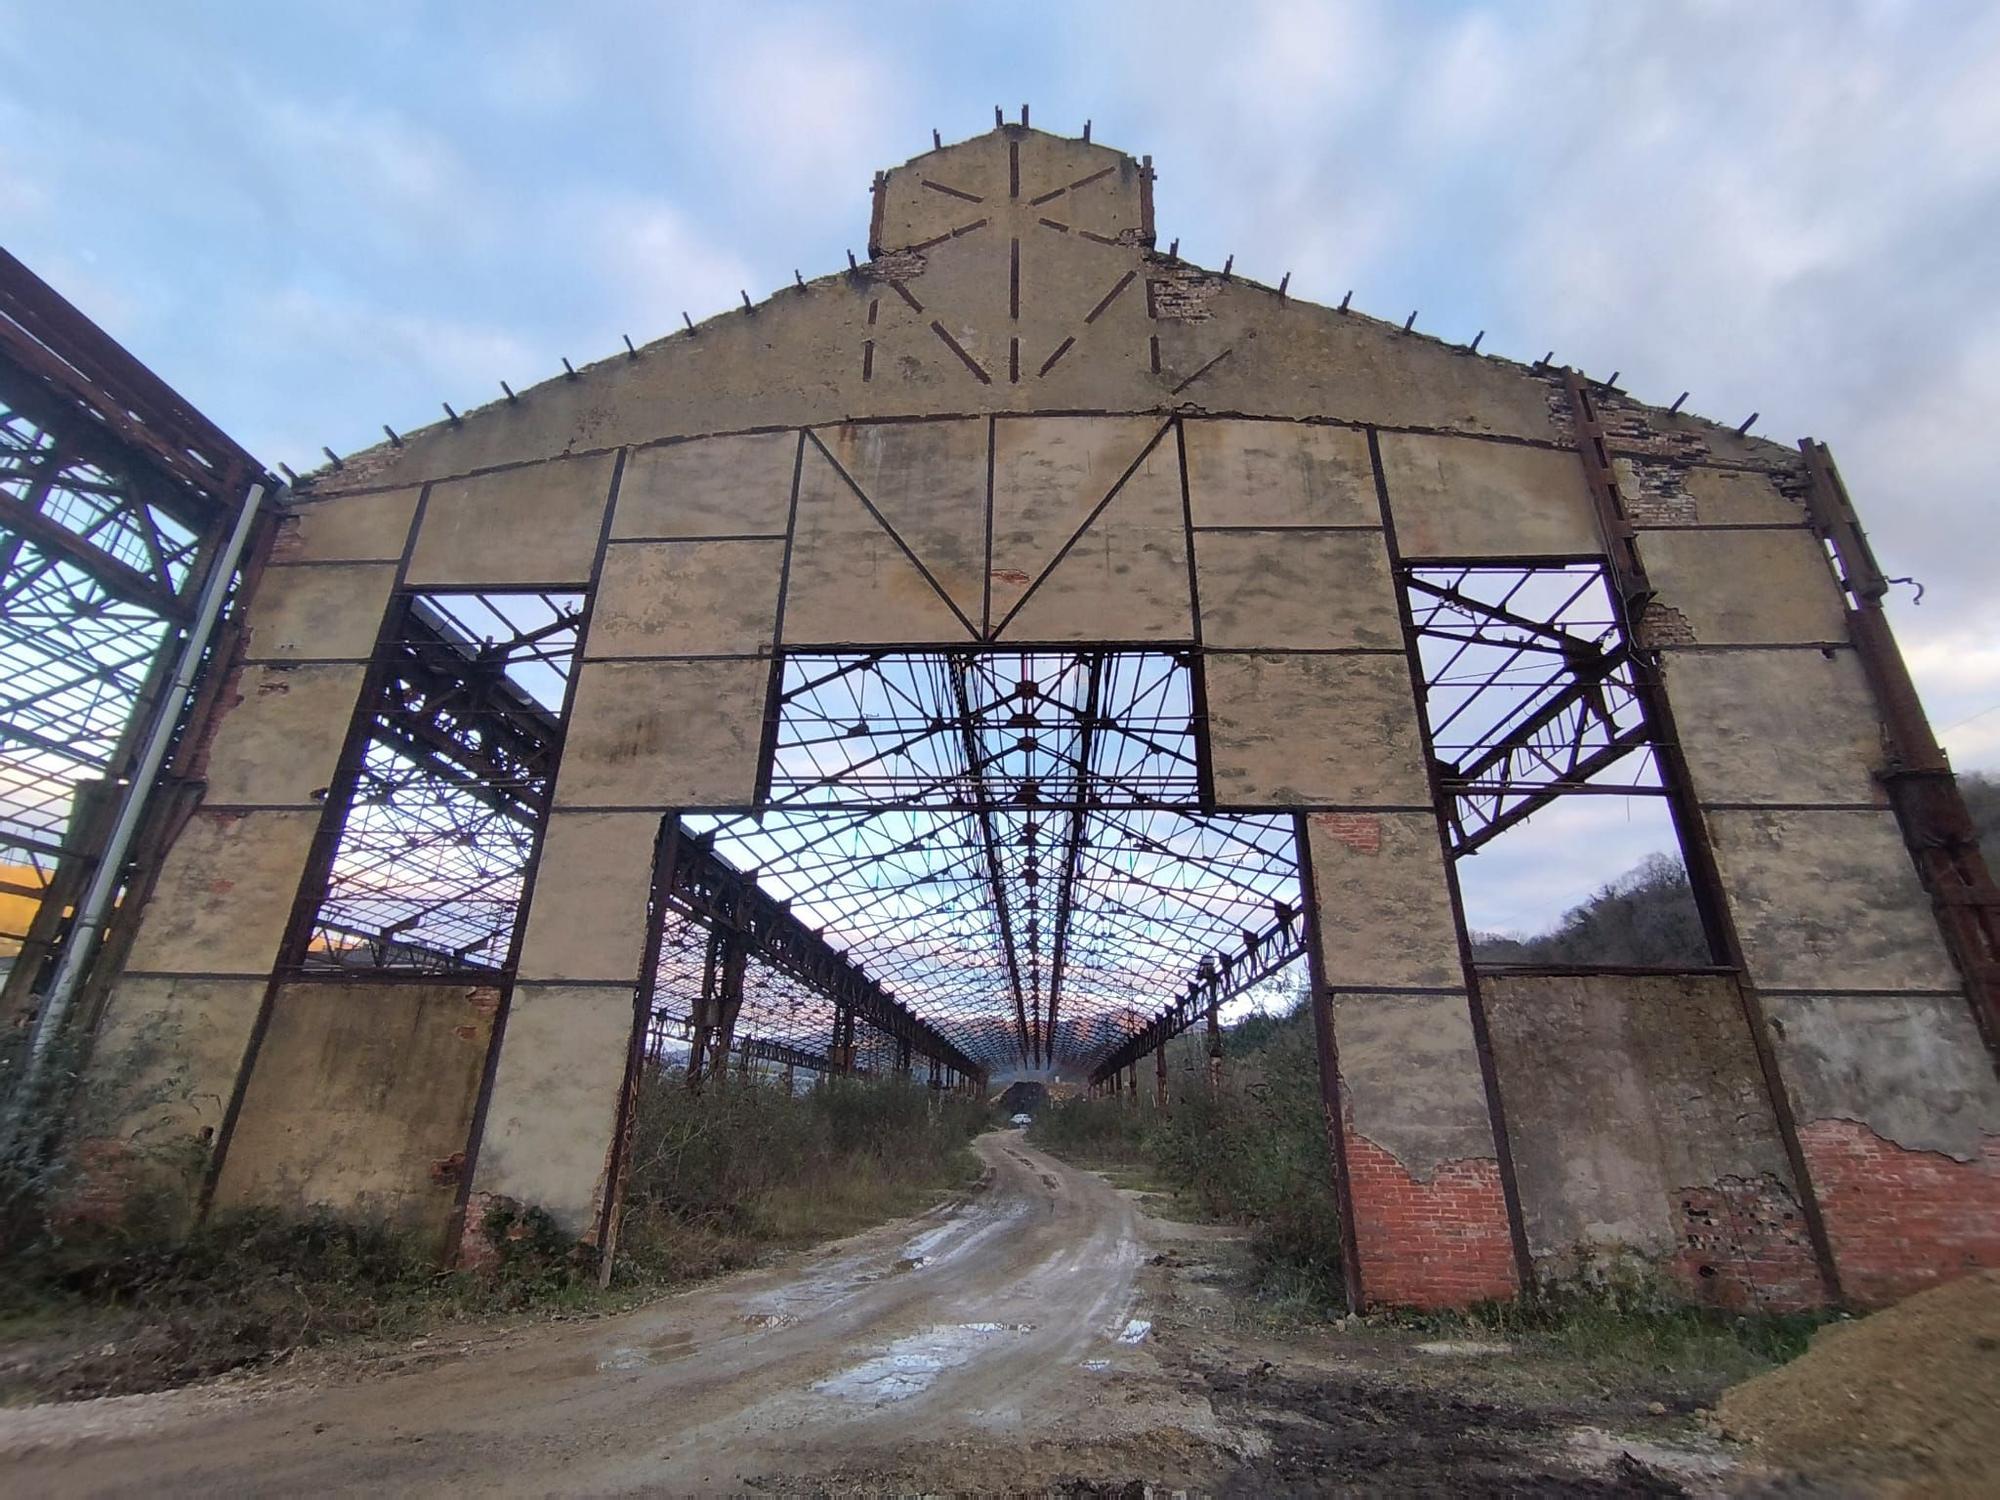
[786, 975]
[115, 495]
[1529, 691]
[1220, 978]
[1012, 842]
[443, 791]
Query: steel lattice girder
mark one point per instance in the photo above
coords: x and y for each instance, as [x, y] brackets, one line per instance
[1529, 691]
[699, 883]
[94, 575]
[1218, 981]
[1012, 842]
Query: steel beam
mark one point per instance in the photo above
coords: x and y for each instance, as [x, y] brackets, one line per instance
[1936, 824]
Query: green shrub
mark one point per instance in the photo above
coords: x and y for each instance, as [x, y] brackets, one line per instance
[719, 1176]
[1252, 1151]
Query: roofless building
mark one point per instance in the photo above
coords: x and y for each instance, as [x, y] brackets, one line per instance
[991, 658]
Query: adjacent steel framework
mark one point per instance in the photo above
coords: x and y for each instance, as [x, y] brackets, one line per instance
[115, 498]
[1017, 844]
[435, 817]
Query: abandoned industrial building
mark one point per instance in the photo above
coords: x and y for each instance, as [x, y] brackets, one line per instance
[985, 662]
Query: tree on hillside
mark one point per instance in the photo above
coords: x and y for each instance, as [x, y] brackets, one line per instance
[1647, 915]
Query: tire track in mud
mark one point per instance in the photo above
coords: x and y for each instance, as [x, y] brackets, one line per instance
[1001, 1318]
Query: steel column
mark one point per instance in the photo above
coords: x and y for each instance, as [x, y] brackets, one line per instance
[1937, 826]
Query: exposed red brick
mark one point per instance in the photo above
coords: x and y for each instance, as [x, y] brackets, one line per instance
[286, 539]
[106, 1172]
[1744, 1247]
[476, 1252]
[1902, 1220]
[1359, 832]
[1441, 1243]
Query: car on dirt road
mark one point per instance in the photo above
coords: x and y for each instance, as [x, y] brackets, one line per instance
[1022, 1122]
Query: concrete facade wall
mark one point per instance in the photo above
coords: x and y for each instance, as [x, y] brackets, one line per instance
[360, 1101]
[1642, 1128]
[1784, 745]
[1020, 423]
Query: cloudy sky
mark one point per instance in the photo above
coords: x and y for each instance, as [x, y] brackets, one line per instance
[314, 219]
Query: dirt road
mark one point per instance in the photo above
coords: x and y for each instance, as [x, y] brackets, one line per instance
[986, 1339]
[1040, 1335]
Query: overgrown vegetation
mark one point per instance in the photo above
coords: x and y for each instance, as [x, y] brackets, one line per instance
[1645, 916]
[100, 1304]
[718, 1177]
[1253, 1151]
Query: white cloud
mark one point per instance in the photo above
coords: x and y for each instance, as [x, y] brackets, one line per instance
[800, 103]
[654, 262]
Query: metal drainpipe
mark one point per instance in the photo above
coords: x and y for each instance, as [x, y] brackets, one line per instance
[96, 904]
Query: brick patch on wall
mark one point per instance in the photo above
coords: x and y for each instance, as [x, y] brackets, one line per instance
[1178, 292]
[1360, 833]
[1441, 1243]
[1628, 429]
[1744, 1247]
[1902, 1220]
[1655, 494]
[898, 265]
[1663, 625]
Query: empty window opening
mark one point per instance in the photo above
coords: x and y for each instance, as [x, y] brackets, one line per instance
[1555, 807]
[442, 803]
[1010, 845]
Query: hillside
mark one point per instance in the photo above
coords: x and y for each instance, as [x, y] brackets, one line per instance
[1647, 915]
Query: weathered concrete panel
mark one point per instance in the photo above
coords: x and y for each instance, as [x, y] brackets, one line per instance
[1740, 497]
[1306, 731]
[928, 481]
[687, 599]
[850, 583]
[168, 1052]
[1384, 912]
[1291, 589]
[360, 1101]
[318, 614]
[1458, 497]
[981, 175]
[349, 528]
[1703, 496]
[225, 893]
[665, 734]
[801, 360]
[1776, 726]
[1746, 588]
[1633, 1101]
[1049, 474]
[1828, 900]
[587, 919]
[1409, 1076]
[1126, 578]
[1279, 474]
[1911, 1068]
[535, 524]
[555, 1099]
[724, 486]
[276, 746]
